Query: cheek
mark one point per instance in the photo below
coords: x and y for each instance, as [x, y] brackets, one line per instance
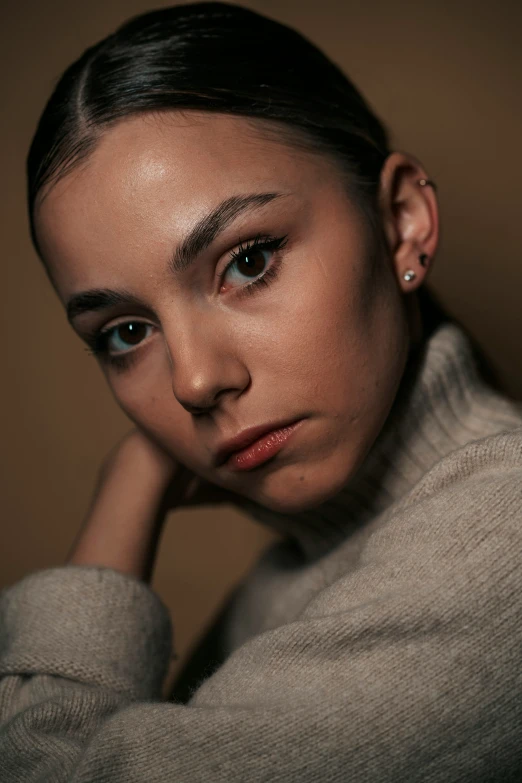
[347, 343]
[323, 335]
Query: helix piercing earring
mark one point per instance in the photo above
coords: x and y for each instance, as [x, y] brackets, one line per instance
[424, 182]
[409, 275]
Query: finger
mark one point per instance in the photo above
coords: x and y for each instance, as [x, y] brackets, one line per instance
[205, 493]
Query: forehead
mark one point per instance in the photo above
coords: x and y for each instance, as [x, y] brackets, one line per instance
[153, 175]
[197, 157]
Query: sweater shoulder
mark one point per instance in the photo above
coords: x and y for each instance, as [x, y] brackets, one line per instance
[460, 526]
[488, 468]
[470, 499]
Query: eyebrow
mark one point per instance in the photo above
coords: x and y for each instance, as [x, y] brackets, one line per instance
[198, 239]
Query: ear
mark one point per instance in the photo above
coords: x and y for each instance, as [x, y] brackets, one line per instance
[410, 218]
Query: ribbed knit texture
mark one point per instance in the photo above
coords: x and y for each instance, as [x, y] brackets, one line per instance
[380, 641]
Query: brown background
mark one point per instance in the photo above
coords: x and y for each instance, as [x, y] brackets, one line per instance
[444, 76]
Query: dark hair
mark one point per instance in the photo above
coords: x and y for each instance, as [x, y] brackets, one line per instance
[209, 57]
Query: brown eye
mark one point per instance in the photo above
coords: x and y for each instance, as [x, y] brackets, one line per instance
[252, 263]
[126, 335]
[248, 264]
[256, 261]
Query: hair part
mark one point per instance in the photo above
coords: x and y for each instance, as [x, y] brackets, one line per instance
[212, 57]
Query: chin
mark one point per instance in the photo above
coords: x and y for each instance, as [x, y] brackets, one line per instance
[302, 488]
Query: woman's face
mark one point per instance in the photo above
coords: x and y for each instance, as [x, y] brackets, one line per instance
[323, 337]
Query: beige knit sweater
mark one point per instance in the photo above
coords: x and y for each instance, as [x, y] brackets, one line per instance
[381, 641]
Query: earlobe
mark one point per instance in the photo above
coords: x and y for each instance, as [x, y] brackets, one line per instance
[409, 275]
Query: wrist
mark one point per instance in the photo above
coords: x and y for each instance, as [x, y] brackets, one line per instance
[124, 522]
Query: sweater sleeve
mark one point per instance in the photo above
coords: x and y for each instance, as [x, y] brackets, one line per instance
[406, 669]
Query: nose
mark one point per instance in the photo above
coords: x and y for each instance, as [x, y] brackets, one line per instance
[204, 370]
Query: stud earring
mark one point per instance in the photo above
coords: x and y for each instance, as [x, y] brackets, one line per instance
[409, 275]
[424, 258]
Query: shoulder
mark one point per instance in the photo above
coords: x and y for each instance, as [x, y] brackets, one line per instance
[475, 484]
[466, 509]
[450, 549]
[457, 533]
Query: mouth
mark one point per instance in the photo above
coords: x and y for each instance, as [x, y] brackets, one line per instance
[255, 445]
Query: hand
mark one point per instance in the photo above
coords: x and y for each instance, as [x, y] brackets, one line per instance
[138, 484]
[179, 485]
[187, 490]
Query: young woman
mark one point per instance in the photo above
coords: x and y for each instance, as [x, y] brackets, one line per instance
[220, 213]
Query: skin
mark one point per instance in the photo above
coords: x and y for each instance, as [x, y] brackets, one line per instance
[328, 339]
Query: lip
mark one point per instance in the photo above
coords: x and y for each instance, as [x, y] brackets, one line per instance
[247, 437]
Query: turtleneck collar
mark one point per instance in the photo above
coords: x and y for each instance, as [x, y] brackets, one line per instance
[443, 402]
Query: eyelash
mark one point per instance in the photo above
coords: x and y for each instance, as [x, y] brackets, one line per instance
[98, 341]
